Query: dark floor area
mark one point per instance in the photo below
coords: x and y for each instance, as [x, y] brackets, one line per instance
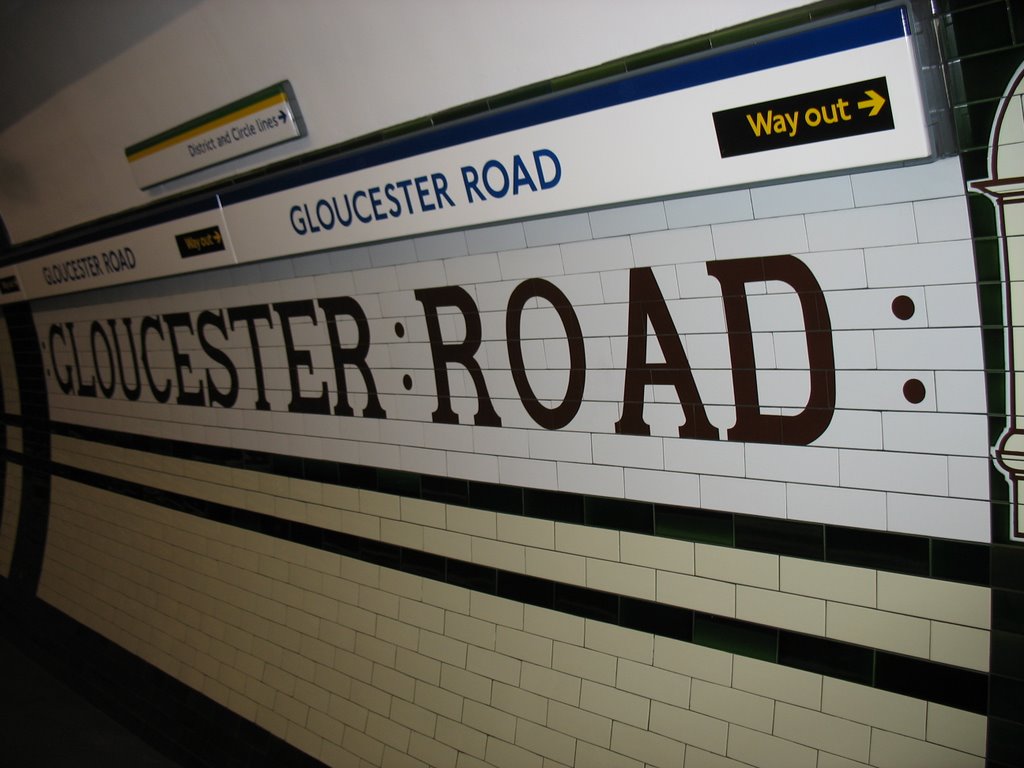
[45, 723]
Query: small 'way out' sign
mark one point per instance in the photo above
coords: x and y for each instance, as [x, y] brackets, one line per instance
[831, 113]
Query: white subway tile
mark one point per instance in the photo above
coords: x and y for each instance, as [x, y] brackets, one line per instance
[732, 705]
[709, 209]
[960, 646]
[802, 197]
[945, 518]
[689, 727]
[580, 724]
[861, 227]
[631, 580]
[693, 660]
[957, 729]
[762, 237]
[708, 595]
[615, 704]
[934, 599]
[673, 246]
[878, 629]
[585, 663]
[839, 583]
[768, 751]
[737, 565]
[893, 185]
[891, 750]
[873, 706]
[652, 748]
[775, 681]
[942, 219]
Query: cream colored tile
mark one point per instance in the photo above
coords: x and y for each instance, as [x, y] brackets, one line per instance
[957, 729]
[690, 727]
[716, 597]
[587, 541]
[878, 629]
[961, 646]
[873, 706]
[631, 580]
[778, 609]
[841, 583]
[766, 751]
[821, 731]
[653, 682]
[657, 552]
[777, 681]
[732, 705]
[741, 566]
[693, 660]
[891, 750]
[934, 599]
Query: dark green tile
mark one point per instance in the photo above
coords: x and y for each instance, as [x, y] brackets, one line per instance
[460, 112]
[1001, 522]
[398, 482]
[740, 33]
[991, 297]
[975, 163]
[960, 561]
[526, 589]
[994, 346]
[552, 505]
[379, 552]
[974, 124]
[1008, 567]
[873, 549]
[694, 525]
[952, 686]
[588, 603]
[471, 576]
[987, 75]
[782, 537]
[1016, 20]
[619, 514]
[826, 657]
[423, 564]
[989, 259]
[983, 216]
[996, 427]
[657, 618]
[1006, 699]
[735, 636]
[404, 129]
[587, 76]
[496, 498]
[448, 490]
[995, 386]
[668, 53]
[1003, 748]
[1008, 610]
[526, 93]
[981, 28]
[1007, 657]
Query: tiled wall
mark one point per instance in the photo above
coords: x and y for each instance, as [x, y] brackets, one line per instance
[398, 592]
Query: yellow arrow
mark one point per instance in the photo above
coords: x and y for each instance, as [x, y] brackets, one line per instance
[216, 235]
[874, 101]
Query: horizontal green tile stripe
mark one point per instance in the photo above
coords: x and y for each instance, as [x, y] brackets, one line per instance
[897, 552]
[929, 680]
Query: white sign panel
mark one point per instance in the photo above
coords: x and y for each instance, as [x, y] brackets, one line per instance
[719, 121]
[261, 120]
[188, 244]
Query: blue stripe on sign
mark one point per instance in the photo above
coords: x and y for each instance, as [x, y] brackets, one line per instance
[890, 24]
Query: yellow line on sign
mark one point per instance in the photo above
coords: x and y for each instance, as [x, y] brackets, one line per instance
[277, 98]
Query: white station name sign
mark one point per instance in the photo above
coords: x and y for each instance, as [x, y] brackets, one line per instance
[826, 98]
